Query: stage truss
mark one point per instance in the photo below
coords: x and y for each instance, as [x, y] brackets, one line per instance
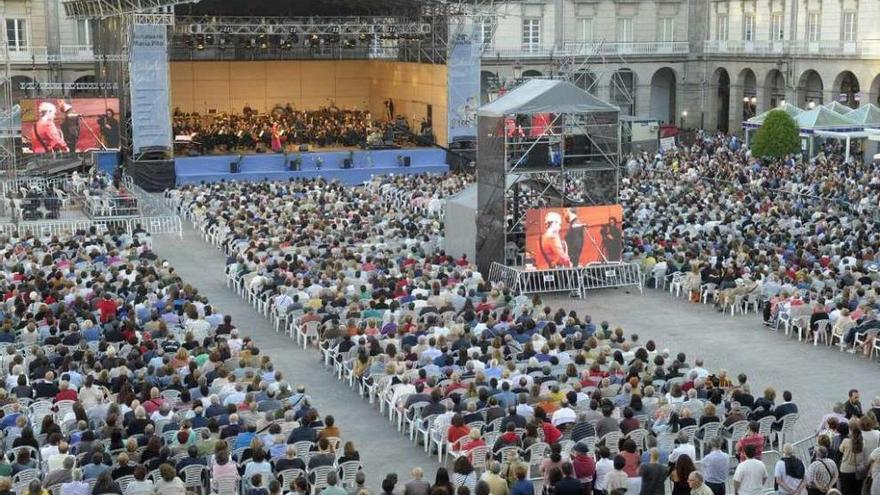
[529, 166]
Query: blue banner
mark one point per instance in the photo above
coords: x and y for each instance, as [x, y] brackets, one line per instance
[150, 96]
[463, 66]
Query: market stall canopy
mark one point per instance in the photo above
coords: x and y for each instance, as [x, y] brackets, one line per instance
[836, 106]
[546, 96]
[868, 115]
[785, 107]
[823, 118]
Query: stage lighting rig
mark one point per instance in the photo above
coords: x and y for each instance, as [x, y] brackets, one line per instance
[102, 9]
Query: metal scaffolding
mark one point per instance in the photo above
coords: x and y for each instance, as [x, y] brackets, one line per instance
[10, 118]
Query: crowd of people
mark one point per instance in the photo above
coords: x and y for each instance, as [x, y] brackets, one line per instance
[792, 232]
[120, 378]
[286, 128]
[503, 383]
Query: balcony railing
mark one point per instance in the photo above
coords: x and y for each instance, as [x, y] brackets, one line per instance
[829, 48]
[581, 48]
[27, 54]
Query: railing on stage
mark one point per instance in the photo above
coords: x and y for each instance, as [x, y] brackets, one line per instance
[577, 280]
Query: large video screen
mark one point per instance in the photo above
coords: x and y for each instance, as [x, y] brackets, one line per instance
[69, 125]
[569, 237]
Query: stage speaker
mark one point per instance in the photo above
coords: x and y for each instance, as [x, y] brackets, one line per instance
[235, 166]
[304, 147]
[346, 163]
[404, 161]
[539, 156]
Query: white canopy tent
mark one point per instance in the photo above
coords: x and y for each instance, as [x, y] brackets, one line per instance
[545, 96]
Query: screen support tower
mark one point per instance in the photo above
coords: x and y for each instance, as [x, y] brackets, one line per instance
[10, 130]
[544, 144]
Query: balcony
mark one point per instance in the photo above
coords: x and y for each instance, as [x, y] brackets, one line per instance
[27, 55]
[74, 53]
[583, 49]
[799, 48]
[739, 47]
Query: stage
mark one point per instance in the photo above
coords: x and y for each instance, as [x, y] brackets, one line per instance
[365, 164]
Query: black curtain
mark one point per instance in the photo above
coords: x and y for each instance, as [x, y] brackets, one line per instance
[153, 175]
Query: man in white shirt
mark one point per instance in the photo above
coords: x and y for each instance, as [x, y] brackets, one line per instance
[750, 475]
[564, 415]
[683, 447]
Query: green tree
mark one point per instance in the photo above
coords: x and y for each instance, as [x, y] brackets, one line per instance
[777, 137]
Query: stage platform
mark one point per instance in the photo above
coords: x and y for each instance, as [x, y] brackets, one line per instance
[366, 164]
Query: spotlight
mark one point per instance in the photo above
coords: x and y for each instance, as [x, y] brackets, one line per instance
[349, 43]
[811, 104]
[314, 40]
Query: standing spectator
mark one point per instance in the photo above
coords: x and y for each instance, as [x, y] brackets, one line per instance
[716, 467]
[789, 473]
[853, 459]
[698, 487]
[683, 467]
[750, 475]
[653, 475]
[522, 486]
[821, 475]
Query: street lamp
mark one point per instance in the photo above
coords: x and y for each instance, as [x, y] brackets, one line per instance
[811, 104]
[684, 114]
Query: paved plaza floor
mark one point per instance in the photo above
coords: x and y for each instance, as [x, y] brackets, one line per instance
[816, 376]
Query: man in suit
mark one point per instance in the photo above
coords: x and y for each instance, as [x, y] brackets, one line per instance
[417, 486]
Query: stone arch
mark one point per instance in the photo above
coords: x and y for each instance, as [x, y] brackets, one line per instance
[846, 89]
[774, 88]
[664, 84]
[810, 89]
[623, 90]
[719, 100]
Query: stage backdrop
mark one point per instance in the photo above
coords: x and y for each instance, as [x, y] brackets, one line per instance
[564, 237]
[224, 86]
[86, 125]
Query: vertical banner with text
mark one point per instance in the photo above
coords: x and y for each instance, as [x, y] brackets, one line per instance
[150, 95]
[463, 66]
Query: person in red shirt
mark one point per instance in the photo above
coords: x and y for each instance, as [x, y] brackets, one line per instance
[106, 308]
[46, 134]
[583, 463]
[65, 393]
[751, 438]
[457, 430]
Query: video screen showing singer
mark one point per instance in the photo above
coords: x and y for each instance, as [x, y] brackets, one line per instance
[569, 237]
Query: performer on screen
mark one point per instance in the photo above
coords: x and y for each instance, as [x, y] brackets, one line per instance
[612, 240]
[552, 247]
[46, 132]
[70, 125]
[109, 128]
[574, 237]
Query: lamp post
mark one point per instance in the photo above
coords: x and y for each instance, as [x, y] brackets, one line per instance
[684, 114]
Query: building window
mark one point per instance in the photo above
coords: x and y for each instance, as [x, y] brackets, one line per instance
[531, 34]
[666, 29]
[814, 24]
[83, 33]
[849, 26]
[625, 30]
[16, 34]
[777, 28]
[586, 28]
[749, 27]
[486, 31]
[721, 27]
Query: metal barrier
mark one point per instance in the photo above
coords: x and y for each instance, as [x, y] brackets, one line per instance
[579, 280]
[505, 274]
[608, 275]
[169, 224]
